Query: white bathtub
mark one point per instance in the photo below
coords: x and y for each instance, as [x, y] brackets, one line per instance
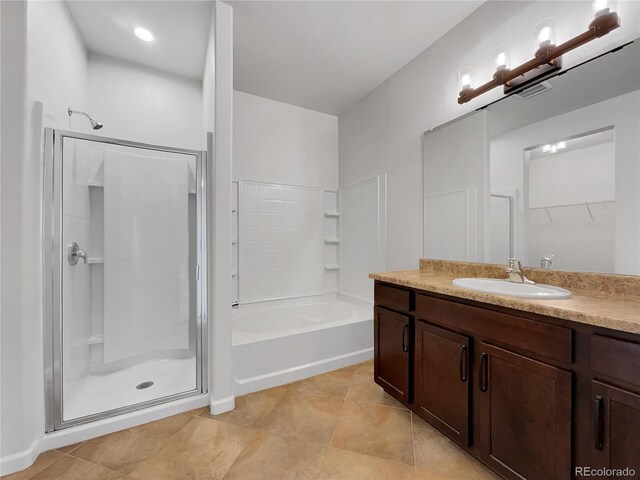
[283, 341]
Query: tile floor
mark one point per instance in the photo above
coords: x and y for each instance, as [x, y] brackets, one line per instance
[335, 426]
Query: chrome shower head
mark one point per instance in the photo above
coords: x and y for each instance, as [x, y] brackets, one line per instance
[96, 125]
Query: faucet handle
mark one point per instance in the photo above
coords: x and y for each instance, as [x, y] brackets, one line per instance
[74, 253]
[515, 264]
[546, 261]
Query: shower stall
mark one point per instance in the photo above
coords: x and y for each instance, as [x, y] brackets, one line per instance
[125, 276]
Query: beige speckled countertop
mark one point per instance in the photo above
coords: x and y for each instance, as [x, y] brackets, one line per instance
[605, 309]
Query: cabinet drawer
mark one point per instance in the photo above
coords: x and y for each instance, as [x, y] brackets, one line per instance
[616, 358]
[540, 338]
[394, 298]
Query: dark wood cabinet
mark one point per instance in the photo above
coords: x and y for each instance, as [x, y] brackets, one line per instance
[615, 428]
[441, 379]
[532, 397]
[525, 415]
[391, 359]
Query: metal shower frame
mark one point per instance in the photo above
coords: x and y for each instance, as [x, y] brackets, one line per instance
[52, 273]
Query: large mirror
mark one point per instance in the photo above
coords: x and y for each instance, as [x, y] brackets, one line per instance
[550, 175]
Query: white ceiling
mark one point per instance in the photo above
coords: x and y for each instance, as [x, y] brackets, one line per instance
[181, 29]
[327, 55]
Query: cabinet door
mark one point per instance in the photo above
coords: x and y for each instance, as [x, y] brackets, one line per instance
[441, 380]
[525, 416]
[616, 428]
[391, 356]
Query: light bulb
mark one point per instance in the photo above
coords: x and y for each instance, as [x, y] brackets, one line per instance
[545, 33]
[600, 7]
[465, 78]
[546, 148]
[143, 34]
[502, 58]
[562, 145]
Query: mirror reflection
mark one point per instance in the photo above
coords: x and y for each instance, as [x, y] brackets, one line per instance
[549, 175]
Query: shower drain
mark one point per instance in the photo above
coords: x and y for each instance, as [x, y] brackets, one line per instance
[144, 385]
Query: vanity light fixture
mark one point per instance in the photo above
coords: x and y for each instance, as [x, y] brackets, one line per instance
[548, 56]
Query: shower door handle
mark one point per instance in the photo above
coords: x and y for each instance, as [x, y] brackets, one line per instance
[74, 253]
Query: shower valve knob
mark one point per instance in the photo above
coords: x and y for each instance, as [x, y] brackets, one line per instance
[74, 253]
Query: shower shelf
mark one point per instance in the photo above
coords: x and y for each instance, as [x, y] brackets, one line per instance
[95, 260]
[332, 267]
[331, 214]
[331, 240]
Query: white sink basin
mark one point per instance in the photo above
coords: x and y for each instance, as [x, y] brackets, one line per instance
[512, 289]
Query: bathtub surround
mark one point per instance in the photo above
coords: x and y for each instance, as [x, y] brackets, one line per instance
[280, 241]
[363, 234]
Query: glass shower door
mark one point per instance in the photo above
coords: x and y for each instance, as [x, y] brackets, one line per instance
[129, 326]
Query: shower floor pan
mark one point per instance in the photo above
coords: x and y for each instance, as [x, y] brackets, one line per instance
[126, 387]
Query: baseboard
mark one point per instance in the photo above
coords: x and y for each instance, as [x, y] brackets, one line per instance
[68, 436]
[223, 405]
[20, 460]
[281, 377]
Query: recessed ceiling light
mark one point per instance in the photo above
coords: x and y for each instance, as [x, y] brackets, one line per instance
[143, 34]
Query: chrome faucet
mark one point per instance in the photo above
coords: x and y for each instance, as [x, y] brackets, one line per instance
[546, 262]
[515, 273]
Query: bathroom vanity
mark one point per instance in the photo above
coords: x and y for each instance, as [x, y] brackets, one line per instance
[533, 389]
